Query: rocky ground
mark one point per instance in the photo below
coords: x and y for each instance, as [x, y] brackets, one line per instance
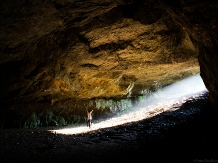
[187, 134]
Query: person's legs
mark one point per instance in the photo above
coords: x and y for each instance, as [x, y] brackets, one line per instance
[88, 123]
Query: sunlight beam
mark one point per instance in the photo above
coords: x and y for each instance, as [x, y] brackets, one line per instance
[176, 93]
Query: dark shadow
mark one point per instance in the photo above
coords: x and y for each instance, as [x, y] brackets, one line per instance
[187, 134]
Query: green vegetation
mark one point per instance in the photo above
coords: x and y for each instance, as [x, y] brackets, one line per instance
[113, 106]
[74, 112]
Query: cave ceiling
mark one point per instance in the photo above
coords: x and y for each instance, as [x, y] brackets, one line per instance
[56, 50]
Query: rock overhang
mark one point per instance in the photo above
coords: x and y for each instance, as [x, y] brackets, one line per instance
[73, 49]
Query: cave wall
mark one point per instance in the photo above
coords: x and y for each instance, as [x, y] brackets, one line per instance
[54, 53]
[199, 19]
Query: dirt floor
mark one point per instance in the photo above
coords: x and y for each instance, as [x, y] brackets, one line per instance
[188, 134]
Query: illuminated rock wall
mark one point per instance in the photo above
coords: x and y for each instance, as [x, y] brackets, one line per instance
[53, 51]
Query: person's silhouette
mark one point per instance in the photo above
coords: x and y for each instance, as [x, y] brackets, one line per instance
[89, 118]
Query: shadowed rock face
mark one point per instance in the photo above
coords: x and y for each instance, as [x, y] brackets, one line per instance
[61, 54]
[199, 19]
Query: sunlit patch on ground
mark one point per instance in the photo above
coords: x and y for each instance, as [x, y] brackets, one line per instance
[171, 98]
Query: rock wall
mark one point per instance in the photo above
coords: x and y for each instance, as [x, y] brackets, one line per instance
[199, 19]
[55, 51]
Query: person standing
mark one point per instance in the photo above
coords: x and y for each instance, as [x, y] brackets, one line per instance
[89, 118]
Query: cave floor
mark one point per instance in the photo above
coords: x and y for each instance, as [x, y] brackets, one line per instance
[188, 134]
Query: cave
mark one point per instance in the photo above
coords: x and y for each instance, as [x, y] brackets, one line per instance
[60, 58]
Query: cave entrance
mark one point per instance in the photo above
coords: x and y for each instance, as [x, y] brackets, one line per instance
[167, 99]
